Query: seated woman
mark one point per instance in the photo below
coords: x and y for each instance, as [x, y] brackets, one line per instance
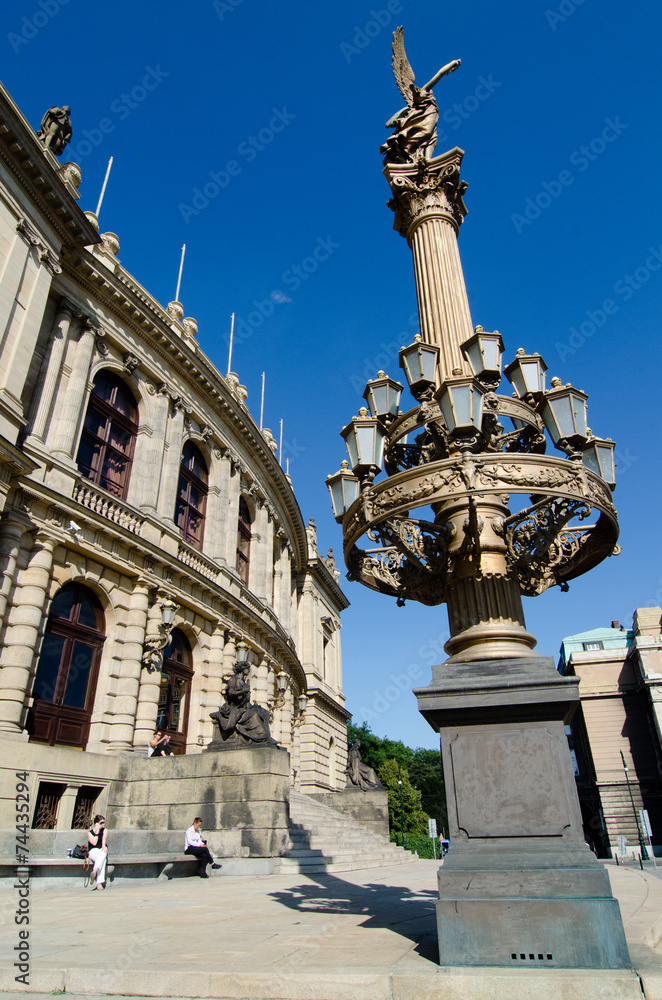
[159, 745]
[98, 840]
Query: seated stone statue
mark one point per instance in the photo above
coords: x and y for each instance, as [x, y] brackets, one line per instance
[238, 722]
[359, 773]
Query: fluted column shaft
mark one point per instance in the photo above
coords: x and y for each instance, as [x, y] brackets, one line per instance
[72, 399]
[123, 731]
[51, 370]
[171, 464]
[24, 624]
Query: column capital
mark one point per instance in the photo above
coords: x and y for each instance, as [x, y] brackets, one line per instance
[427, 189]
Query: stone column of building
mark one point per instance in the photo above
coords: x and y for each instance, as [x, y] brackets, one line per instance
[232, 637]
[12, 532]
[261, 691]
[50, 370]
[234, 493]
[14, 270]
[428, 212]
[285, 607]
[216, 522]
[261, 566]
[147, 484]
[71, 398]
[23, 627]
[171, 462]
[123, 729]
[214, 680]
[22, 329]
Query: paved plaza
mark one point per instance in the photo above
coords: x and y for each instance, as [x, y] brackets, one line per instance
[367, 935]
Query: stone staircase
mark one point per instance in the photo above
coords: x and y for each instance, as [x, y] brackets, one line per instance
[324, 840]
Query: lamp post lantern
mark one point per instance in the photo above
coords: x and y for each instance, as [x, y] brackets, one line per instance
[475, 514]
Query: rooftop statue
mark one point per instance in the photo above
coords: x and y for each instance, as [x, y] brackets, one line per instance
[55, 131]
[415, 135]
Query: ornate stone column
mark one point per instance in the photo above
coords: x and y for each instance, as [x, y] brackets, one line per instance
[172, 460]
[155, 450]
[10, 546]
[123, 730]
[214, 675]
[51, 368]
[25, 620]
[71, 400]
[216, 526]
[428, 206]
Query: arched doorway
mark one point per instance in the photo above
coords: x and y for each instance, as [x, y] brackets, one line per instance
[65, 682]
[175, 690]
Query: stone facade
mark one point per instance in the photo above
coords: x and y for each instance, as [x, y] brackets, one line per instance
[620, 689]
[144, 513]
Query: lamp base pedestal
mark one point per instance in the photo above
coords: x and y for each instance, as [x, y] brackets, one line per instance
[519, 879]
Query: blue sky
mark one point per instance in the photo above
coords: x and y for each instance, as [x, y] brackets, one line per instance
[277, 112]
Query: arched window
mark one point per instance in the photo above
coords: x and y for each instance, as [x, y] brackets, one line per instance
[106, 446]
[174, 690]
[66, 677]
[191, 495]
[243, 541]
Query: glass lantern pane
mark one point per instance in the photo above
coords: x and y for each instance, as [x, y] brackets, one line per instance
[336, 491]
[350, 441]
[606, 462]
[579, 411]
[365, 436]
[462, 400]
[380, 396]
[428, 364]
[475, 358]
[491, 356]
[563, 413]
[531, 377]
[351, 491]
[590, 460]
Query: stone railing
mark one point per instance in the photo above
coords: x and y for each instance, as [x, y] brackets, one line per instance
[108, 506]
[191, 557]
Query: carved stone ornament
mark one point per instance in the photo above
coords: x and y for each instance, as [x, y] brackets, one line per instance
[130, 363]
[160, 624]
[427, 188]
[30, 236]
[71, 174]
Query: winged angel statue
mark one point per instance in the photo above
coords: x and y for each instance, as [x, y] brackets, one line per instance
[415, 126]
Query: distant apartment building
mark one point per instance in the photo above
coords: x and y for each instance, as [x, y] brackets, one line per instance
[619, 722]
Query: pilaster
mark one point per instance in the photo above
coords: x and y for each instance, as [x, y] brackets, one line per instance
[72, 397]
[124, 728]
[51, 369]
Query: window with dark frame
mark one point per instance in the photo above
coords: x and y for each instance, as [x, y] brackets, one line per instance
[243, 541]
[105, 452]
[174, 690]
[192, 496]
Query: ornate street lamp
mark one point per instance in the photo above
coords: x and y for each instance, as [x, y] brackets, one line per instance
[344, 489]
[382, 395]
[508, 520]
[527, 374]
[364, 438]
[421, 366]
[598, 456]
[564, 415]
[484, 351]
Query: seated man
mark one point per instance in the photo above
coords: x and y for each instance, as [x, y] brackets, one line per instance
[194, 844]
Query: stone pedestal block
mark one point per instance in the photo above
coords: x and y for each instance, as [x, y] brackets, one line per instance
[518, 879]
[369, 808]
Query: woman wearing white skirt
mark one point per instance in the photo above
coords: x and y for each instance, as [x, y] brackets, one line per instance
[98, 840]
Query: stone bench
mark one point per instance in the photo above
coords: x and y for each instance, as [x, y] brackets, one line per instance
[126, 865]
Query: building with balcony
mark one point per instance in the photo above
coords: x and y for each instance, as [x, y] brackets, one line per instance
[149, 536]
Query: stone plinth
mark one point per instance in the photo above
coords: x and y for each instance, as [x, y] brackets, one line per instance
[519, 879]
[369, 808]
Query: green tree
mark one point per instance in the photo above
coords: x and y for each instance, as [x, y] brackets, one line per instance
[423, 766]
[415, 820]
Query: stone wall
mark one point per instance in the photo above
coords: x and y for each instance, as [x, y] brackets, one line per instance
[368, 808]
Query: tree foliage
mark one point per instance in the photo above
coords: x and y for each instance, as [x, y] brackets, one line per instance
[407, 808]
[423, 767]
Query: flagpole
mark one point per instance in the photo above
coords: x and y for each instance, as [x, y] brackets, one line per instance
[231, 339]
[103, 189]
[262, 404]
[280, 447]
[181, 268]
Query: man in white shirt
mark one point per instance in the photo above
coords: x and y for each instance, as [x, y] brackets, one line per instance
[194, 844]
